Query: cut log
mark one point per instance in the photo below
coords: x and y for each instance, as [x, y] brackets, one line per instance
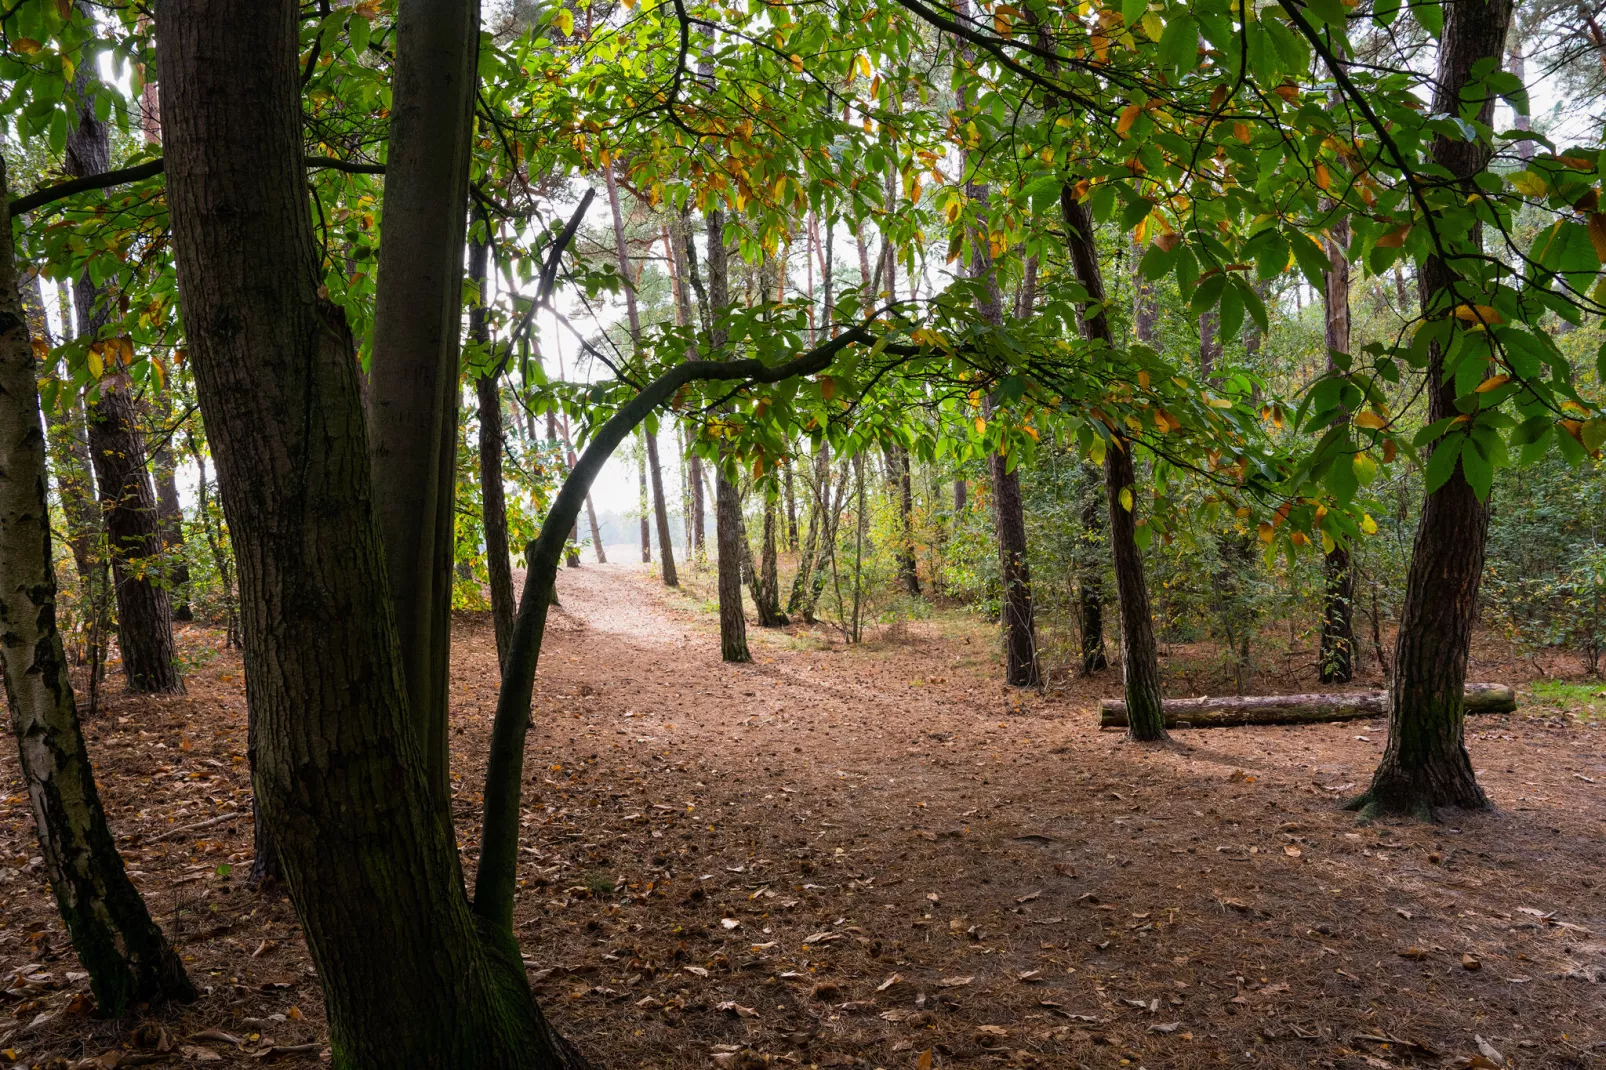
[1227, 710]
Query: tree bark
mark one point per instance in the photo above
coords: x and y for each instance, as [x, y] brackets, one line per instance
[1140, 655]
[1336, 660]
[1090, 580]
[903, 478]
[493, 501]
[128, 501]
[727, 502]
[123, 950]
[170, 514]
[1425, 763]
[1222, 712]
[414, 366]
[1021, 668]
[791, 507]
[409, 976]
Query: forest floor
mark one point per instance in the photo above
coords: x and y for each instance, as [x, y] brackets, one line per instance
[843, 856]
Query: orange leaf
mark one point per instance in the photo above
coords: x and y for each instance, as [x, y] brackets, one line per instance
[1129, 115]
[1480, 314]
[1597, 234]
[1324, 180]
[827, 387]
[1394, 238]
[1370, 420]
[1494, 382]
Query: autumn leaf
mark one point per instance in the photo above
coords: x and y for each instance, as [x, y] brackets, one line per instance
[1129, 115]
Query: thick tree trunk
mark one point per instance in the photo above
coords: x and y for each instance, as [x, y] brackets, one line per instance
[646, 502]
[144, 613]
[767, 599]
[417, 321]
[493, 501]
[410, 977]
[1336, 661]
[1222, 712]
[123, 950]
[1425, 763]
[1140, 655]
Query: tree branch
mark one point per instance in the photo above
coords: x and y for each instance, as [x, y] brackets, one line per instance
[499, 838]
[152, 168]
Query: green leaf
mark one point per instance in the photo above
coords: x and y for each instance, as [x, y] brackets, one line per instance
[1384, 12]
[1479, 472]
[1430, 16]
[1441, 466]
[1179, 44]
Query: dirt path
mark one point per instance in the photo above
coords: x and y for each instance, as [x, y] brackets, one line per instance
[849, 856]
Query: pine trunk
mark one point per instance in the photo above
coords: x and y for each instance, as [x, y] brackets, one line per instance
[410, 977]
[127, 957]
[1425, 763]
[728, 536]
[1090, 580]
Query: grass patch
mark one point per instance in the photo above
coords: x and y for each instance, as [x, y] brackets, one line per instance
[1582, 699]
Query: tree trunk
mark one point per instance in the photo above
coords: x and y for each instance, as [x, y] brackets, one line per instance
[124, 951]
[1222, 712]
[903, 477]
[1090, 580]
[1009, 517]
[767, 599]
[170, 514]
[646, 502]
[1425, 763]
[649, 463]
[1140, 656]
[1336, 661]
[791, 508]
[417, 321]
[727, 502]
[144, 613]
[410, 977]
[493, 501]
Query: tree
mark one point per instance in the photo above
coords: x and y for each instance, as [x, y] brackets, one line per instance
[493, 502]
[1425, 763]
[1140, 656]
[1336, 659]
[666, 548]
[414, 379]
[127, 957]
[133, 523]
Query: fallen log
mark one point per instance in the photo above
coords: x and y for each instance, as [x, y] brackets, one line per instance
[1227, 710]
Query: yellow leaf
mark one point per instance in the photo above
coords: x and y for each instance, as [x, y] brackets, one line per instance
[1328, 546]
[924, 1062]
[96, 366]
[1126, 498]
[26, 45]
[1129, 115]
[1370, 420]
[953, 210]
[1529, 184]
[827, 387]
[758, 467]
[1324, 180]
[564, 21]
[1266, 532]
[1152, 25]
[1494, 382]
[1368, 525]
[1478, 314]
[1143, 379]
[1030, 430]
[981, 426]
[797, 63]
[1241, 132]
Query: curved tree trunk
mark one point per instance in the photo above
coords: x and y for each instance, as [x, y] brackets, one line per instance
[410, 978]
[125, 953]
[1140, 656]
[1425, 763]
[144, 613]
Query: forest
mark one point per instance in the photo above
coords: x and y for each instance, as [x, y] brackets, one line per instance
[1110, 570]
